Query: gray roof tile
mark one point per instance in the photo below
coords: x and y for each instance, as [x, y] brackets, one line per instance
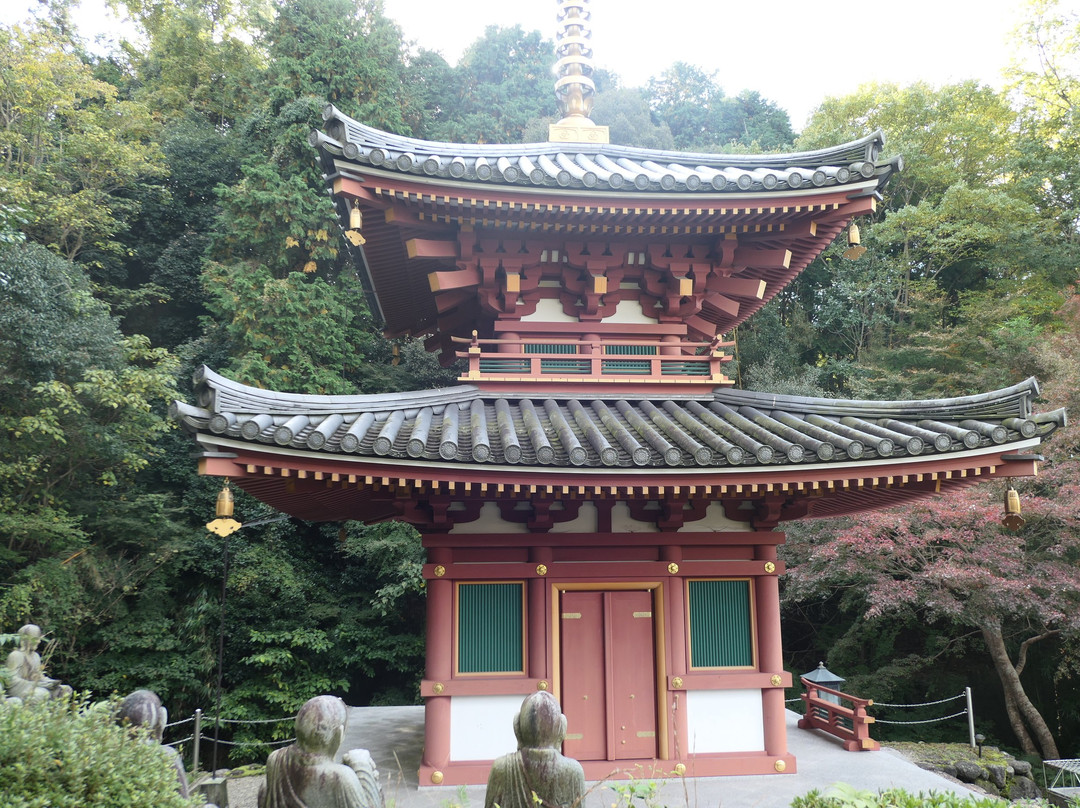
[348, 145]
[727, 428]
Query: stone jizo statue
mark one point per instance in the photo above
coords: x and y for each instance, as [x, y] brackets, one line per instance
[304, 774]
[143, 708]
[537, 767]
[26, 677]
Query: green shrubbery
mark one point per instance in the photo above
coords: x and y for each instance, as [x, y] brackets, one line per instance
[71, 754]
[844, 796]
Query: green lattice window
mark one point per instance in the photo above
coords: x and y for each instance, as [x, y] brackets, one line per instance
[721, 634]
[550, 348]
[490, 628]
[630, 350]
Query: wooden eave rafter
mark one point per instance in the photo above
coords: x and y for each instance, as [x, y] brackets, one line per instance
[417, 230]
[328, 490]
[417, 204]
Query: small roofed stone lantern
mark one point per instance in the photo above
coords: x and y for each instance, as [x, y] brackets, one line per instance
[826, 678]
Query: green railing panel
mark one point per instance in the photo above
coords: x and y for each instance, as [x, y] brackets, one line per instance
[630, 350]
[681, 367]
[564, 365]
[505, 365]
[490, 628]
[720, 625]
[625, 367]
[551, 349]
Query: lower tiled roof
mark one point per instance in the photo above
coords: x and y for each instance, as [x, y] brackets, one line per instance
[725, 429]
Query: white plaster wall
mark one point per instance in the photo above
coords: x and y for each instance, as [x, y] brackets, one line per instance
[490, 521]
[715, 521]
[584, 523]
[548, 310]
[629, 311]
[623, 522]
[482, 727]
[725, 721]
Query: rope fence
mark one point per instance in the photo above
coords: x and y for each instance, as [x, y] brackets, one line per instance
[924, 721]
[198, 718]
[924, 703]
[253, 720]
[968, 711]
[256, 743]
[197, 733]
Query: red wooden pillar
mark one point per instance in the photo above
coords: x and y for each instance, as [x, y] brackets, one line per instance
[770, 652]
[674, 702]
[674, 346]
[439, 666]
[539, 634]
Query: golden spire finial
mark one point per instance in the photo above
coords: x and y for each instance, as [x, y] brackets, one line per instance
[574, 88]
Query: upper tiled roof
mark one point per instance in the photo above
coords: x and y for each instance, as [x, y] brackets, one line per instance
[603, 167]
[726, 429]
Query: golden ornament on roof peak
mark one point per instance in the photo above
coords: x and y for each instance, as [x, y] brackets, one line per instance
[574, 87]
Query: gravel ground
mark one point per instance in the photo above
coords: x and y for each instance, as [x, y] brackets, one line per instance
[243, 791]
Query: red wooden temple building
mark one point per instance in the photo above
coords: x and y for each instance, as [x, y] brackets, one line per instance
[601, 509]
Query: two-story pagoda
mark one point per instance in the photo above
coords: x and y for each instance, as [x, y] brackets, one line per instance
[599, 506]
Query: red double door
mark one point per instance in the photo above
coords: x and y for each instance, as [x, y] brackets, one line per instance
[607, 651]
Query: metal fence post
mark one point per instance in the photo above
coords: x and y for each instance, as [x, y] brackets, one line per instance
[198, 737]
[971, 717]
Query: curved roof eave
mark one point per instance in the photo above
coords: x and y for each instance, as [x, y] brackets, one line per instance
[867, 147]
[471, 428]
[601, 167]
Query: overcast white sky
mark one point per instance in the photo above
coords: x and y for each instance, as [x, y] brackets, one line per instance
[795, 52]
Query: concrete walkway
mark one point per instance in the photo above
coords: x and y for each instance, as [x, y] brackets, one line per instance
[395, 737]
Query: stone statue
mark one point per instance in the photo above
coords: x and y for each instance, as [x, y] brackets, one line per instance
[26, 677]
[304, 774]
[537, 767]
[143, 709]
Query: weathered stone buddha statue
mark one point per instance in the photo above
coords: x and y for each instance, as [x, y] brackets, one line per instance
[26, 677]
[143, 708]
[537, 767]
[304, 774]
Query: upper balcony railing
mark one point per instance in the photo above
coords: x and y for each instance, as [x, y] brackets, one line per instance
[600, 360]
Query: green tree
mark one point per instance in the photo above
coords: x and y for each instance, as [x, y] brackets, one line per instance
[346, 52]
[278, 213]
[627, 115]
[71, 149]
[956, 132]
[962, 219]
[298, 333]
[702, 118]
[1049, 97]
[323, 608]
[200, 56]
[81, 413]
[502, 83]
[77, 397]
[167, 246]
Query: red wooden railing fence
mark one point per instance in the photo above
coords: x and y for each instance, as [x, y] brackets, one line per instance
[850, 724]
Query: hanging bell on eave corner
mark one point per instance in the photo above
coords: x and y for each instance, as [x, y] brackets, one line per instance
[356, 221]
[1012, 519]
[224, 502]
[855, 250]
